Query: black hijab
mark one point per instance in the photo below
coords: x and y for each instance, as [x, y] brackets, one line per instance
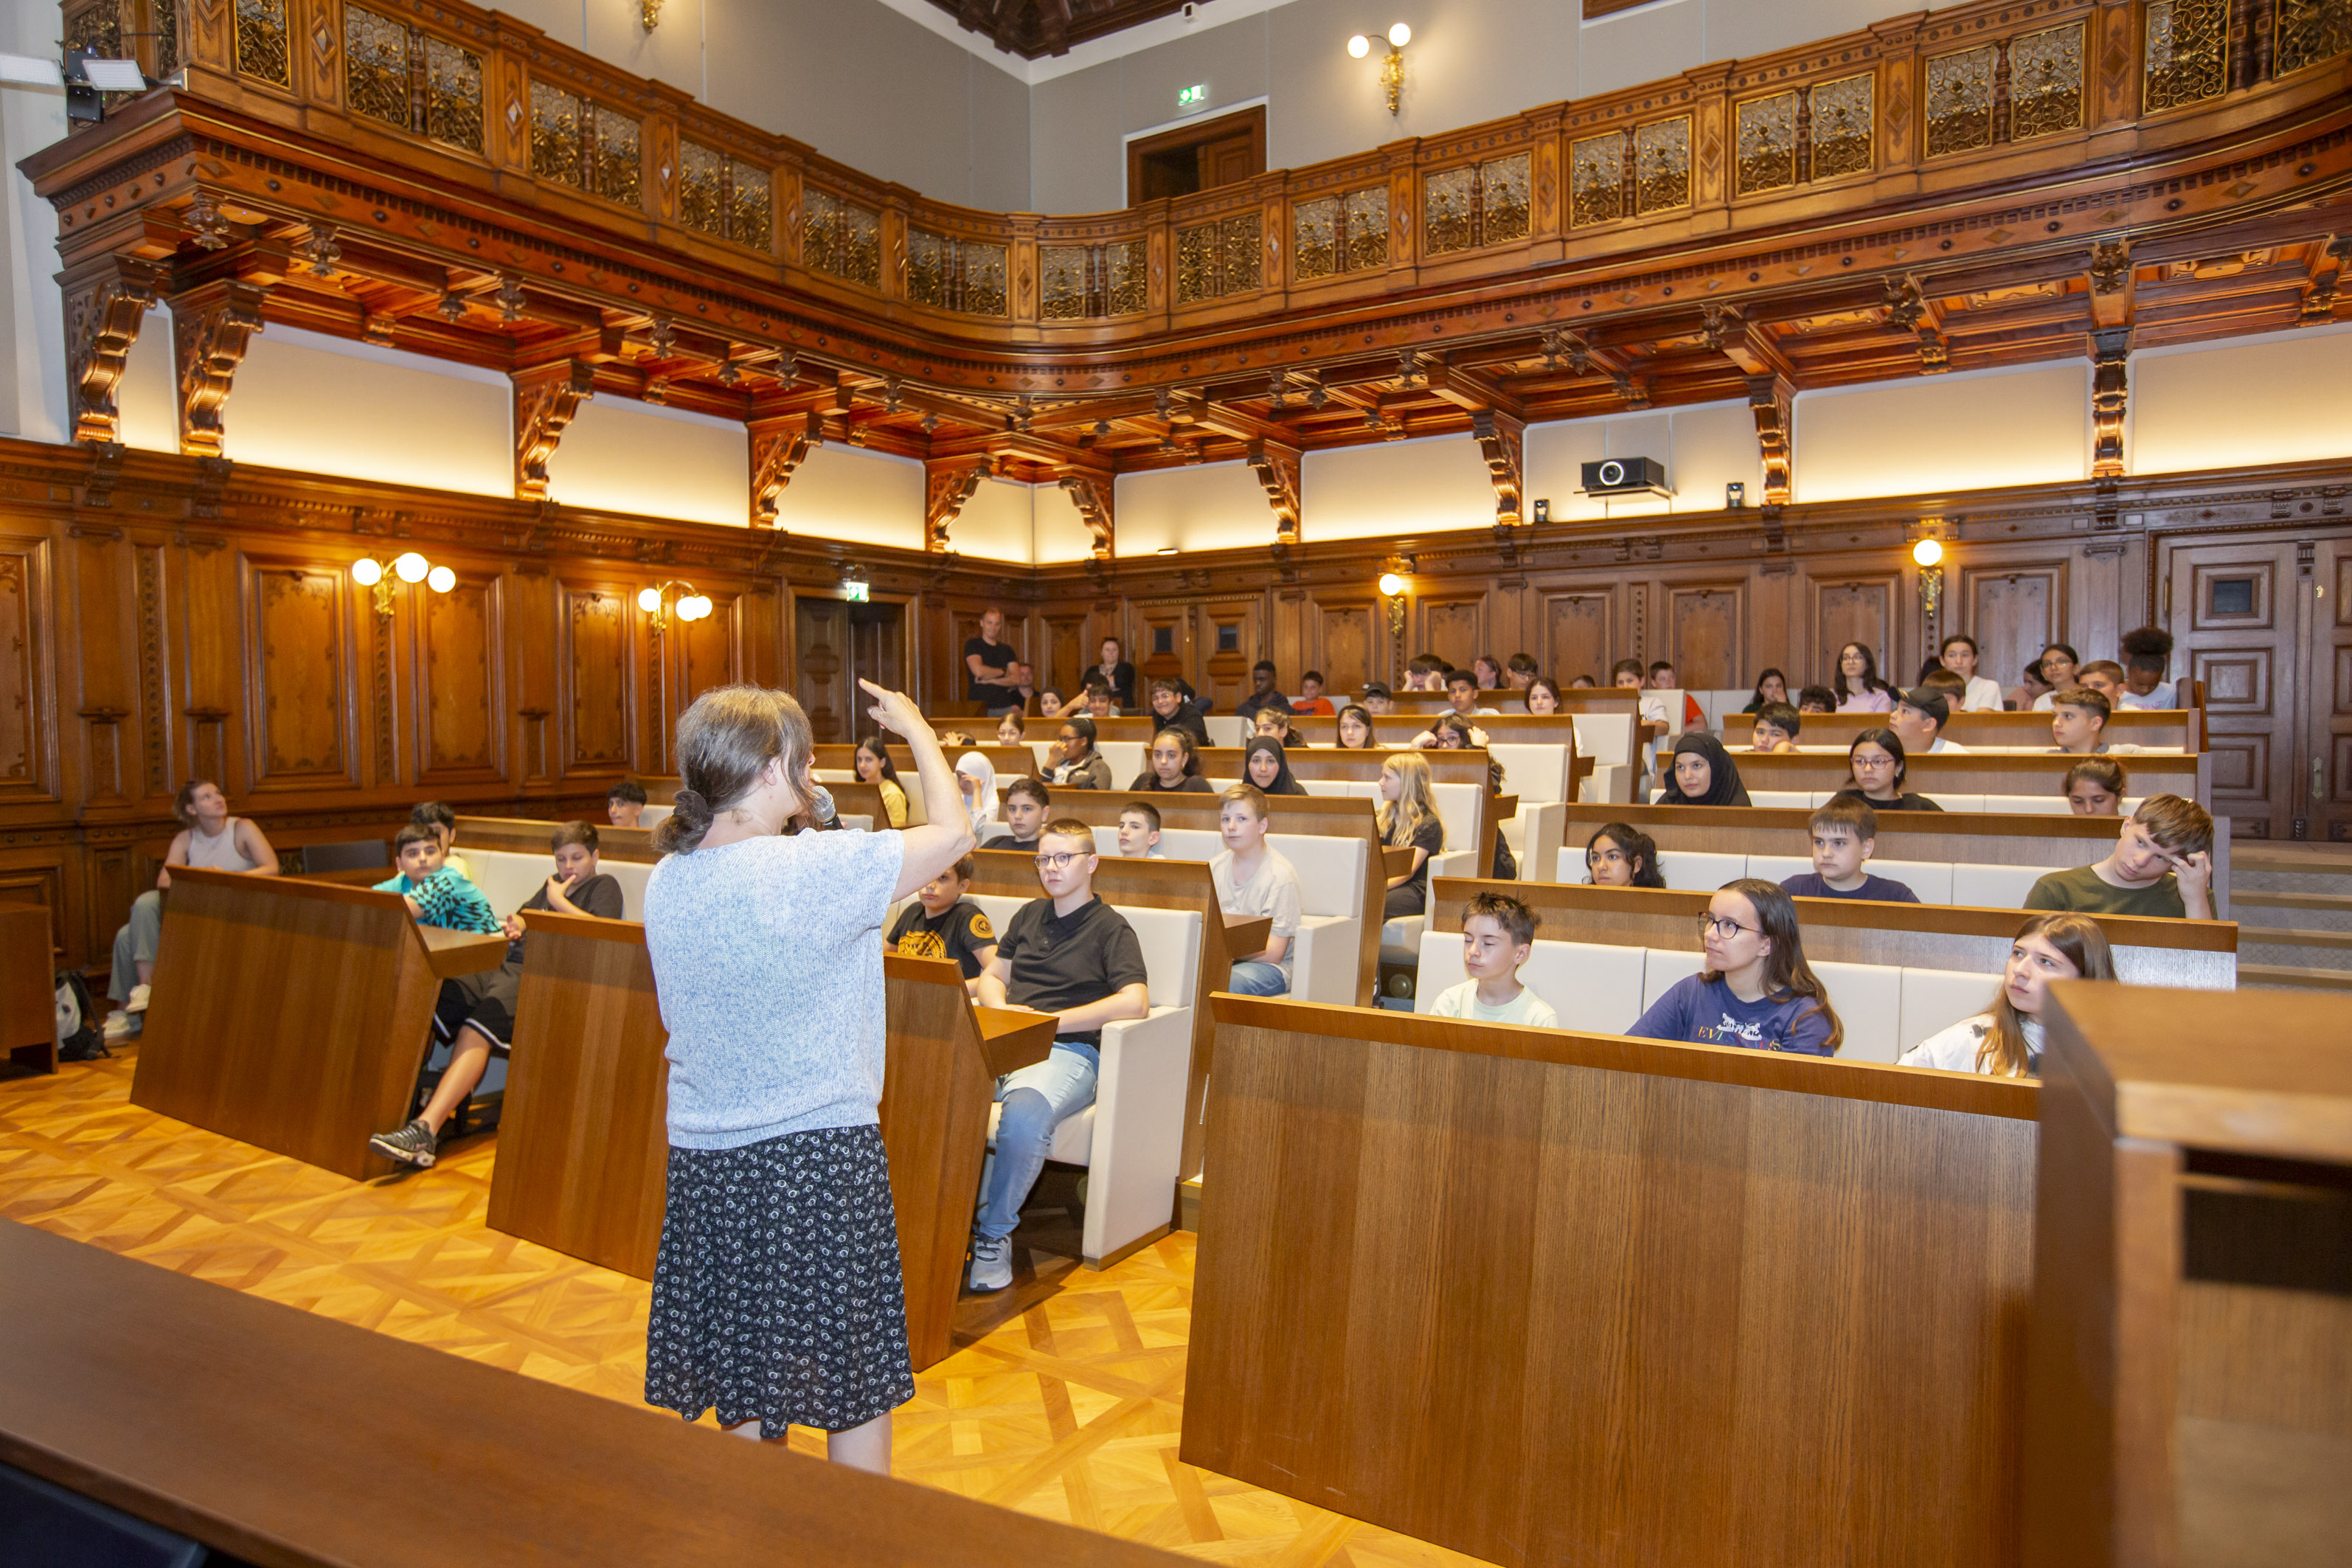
[1284, 784]
[1723, 786]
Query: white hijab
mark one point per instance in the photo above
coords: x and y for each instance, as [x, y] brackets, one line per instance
[983, 805]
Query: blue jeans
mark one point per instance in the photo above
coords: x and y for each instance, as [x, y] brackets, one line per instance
[1256, 978]
[1036, 1099]
[135, 943]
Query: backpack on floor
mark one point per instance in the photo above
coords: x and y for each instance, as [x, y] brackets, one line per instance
[80, 1037]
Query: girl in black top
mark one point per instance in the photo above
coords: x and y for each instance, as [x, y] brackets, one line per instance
[1174, 765]
[1265, 765]
[1620, 856]
[1115, 672]
[1703, 774]
[1877, 764]
[1356, 728]
[1408, 816]
[1771, 687]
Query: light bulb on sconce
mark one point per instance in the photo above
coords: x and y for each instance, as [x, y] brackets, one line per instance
[1929, 555]
[1399, 36]
[1391, 64]
[1359, 45]
[649, 599]
[412, 567]
[440, 579]
[686, 605]
[1391, 584]
[1928, 552]
[367, 571]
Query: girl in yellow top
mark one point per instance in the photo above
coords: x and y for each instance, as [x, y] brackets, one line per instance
[874, 767]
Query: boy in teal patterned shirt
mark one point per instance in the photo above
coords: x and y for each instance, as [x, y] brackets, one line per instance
[437, 895]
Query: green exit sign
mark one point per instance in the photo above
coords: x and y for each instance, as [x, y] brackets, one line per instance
[1191, 98]
[856, 592]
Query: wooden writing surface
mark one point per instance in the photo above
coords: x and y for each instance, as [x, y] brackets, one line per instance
[1980, 837]
[293, 1015]
[1549, 1298]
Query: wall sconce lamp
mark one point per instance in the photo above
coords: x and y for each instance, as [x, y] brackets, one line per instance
[1392, 66]
[649, 13]
[411, 567]
[686, 605]
[1928, 553]
[1393, 587]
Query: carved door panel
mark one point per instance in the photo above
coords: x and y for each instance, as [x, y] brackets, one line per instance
[704, 654]
[1455, 629]
[1852, 609]
[1163, 645]
[299, 660]
[457, 667]
[596, 675]
[2013, 612]
[821, 666]
[28, 696]
[877, 652]
[2328, 785]
[1230, 638]
[1342, 645]
[1070, 657]
[1580, 634]
[2232, 614]
[1706, 634]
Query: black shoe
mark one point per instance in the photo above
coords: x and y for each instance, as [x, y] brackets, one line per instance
[414, 1145]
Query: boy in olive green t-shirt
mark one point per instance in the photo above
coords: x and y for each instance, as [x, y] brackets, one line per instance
[2161, 865]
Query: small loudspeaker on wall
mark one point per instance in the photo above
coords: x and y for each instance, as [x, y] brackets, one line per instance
[1626, 476]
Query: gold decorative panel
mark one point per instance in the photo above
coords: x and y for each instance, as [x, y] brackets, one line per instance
[1242, 248]
[2188, 52]
[618, 164]
[1841, 127]
[1597, 179]
[556, 121]
[1196, 263]
[2045, 82]
[2310, 31]
[949, 274]
[1367, 215]
[376, 66]
[841, 239]
[1315, 238]
[453, 94]
[1448, 220]
[1767, 145]
[1476, 205]
[262, 45]
[1081, 281]
[750, 206]
[1960, 101]
[1662, 167]
[1503, 199]
[1064, 274]
[701, 188]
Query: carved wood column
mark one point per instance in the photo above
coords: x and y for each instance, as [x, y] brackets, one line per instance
[1502, 441]
[546, 397]
[780, 444]
[105, 302]
[1772, 398]
[1094, 494]
[2110, 394]
[948, 484]
[211, 327]
[1276, 468]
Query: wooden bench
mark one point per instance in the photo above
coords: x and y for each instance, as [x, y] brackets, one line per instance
[1544, 1297]
[2177, 730]
[230, 1420]
[294, 1015]
[1962, 783]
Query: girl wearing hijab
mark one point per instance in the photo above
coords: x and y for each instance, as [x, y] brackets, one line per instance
[1265, 765]
[1703, 774]
[977, 778]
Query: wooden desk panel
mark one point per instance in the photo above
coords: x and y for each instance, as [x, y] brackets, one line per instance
[1547, 1298]
[526, 836]
[229, 1418]
[29, 1011]
[293, 1015]
[2174, 727]
[1980, 837]
[1978, 772]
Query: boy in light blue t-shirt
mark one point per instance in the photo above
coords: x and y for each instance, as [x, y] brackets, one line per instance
[437, 894]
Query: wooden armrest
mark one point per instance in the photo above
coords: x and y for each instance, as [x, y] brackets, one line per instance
[1246, 936]
[454, 953]
[1014, 1039]
[1396, 860]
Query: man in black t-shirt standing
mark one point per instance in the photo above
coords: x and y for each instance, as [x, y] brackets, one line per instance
[1070, 954]
[990, 661]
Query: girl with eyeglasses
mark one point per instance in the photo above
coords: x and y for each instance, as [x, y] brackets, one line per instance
[1858, 688]
[1073, 760]
[1756, 991]
[1876, 765]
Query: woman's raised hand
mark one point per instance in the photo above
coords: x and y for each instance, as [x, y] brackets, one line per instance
[895, 710]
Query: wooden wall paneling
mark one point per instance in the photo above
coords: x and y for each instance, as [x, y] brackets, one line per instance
[877, 652]
[2109, 596]
[105, 698]
[208, 660]
[29, 677]
[2233, 619]
[1069, 650]
[821, 664]
[1706, 633]
[1854, 607]
[2014, 609]
[457, 682]
[529, 594]
[300, 734]
[1230, 638]
[598, 677]
[1163, 638]
[160, 723]
[50, 869]
[1450, 622]
[1580, 631]
[705, 653]
[2330, 790]
[1346, 639]
[761, 636]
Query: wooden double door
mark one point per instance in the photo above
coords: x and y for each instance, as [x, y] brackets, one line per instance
[836, 643]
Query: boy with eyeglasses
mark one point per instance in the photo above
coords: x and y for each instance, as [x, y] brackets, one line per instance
[1074, 956]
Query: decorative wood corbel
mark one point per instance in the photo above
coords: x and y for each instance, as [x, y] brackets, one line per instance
[1502, 442]
[211, 327]
[1772, 398]
[2110, 394]
[104, 308]
[1276, 468]
[546, 398]
[779, 447]
[948, 483]
[1094, 495]
[2326, 286]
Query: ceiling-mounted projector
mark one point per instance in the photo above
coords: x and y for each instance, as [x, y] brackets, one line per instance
[1626, 476]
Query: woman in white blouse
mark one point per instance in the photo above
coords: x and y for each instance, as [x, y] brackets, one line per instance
[2005, 1040]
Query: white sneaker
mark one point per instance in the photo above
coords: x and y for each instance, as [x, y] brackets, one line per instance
[138, 1002]
[121, 1026]
[991, 1263]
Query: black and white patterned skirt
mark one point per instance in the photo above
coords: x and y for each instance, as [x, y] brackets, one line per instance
[777, 1291]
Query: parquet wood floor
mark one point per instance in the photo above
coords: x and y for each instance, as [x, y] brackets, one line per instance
[1064, 1398]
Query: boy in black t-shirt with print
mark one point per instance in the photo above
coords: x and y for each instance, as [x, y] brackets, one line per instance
[946, 924]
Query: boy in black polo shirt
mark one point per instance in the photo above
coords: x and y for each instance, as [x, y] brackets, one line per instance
[1073, 955]
[946, 924]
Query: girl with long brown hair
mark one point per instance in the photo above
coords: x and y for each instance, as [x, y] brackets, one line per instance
[1408, 816]
[2005, 1040]
[1757, 990]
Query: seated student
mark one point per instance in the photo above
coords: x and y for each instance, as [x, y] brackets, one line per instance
[1451, 732]
[2057, 671]
[2005, 1040]
[442, 821]
[1073, 760]
[1845, 834]
[1050, 702]
[2103, 676]
[1771, 687]
[1025, 800]
[1099, 700]
[1253, 879]
[1170, 711]
[976, 777]
[1356, 728]
[1543, 695]
[1408, 816]
[210, 839]
[1703, 774]
[1626, 672]
[1497, 933]
[2147, 652]
[1461, 694]
[1262, 693]
[1011, 728]
[1777, 725]
[1757, 990]
[1663, 678]
[1919, 718]
[1272, 723]
[624, 804]
[1520, 671]
[1266, 764]
[2095, 787]
[1858, 688]
[943, 924]
[1115, 672]
[1425, 672]
[1174, 764]
[1816, 700]
[438, 893]
[2078, 724]
[474, 1013]
[1950, 687]
[1877, 767]
[2028, 693]
[1979, 693]
[1311, 701]
[1486, 670]
[1139, 831]
[1379, 702]
[1072, 955]
[1583, 683]
[1621, 856]
[874, 766]
[2162, 865]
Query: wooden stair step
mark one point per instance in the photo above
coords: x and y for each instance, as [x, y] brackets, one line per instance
[2321, 857]
[2288, 936]
[2302, 979]
[2276, 899]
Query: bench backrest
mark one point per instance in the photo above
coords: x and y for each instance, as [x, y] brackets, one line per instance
[1330, 869]
[508, 877]
[2164, 729]
[1171, 940]
[1970, 778]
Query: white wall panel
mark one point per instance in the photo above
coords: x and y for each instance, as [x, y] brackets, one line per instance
[305, 401]
[1956, 432]
[2275, 399]
[863, 498]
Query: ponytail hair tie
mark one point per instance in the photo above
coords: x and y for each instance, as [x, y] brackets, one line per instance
[690, 804]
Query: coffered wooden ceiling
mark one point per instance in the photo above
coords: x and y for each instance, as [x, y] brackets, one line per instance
[1033, 29]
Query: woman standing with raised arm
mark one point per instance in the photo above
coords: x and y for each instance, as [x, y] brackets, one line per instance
[776, 1294]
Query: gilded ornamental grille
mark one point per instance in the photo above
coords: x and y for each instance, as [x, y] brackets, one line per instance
[722, 197]
[1843, 128]
[453, 94]
[405, 77]
[1662, 167]
[558, 121]
[841, 239]
[1476, 204]
[951, 274]
[262, 45]
[579, 142]
[1346, 233]
[1960, 101]
[1805, 134]
[1597, 179]
[1767, 145]
[2310, 31]
[1213, 259]
[2188, 53]
[616, 167]
[2045, 82]
[375, 67]
[1084, 280]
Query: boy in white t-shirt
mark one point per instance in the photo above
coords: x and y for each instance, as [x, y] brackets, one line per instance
[1497, 933]
[1139, 831]
[1252, 879]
